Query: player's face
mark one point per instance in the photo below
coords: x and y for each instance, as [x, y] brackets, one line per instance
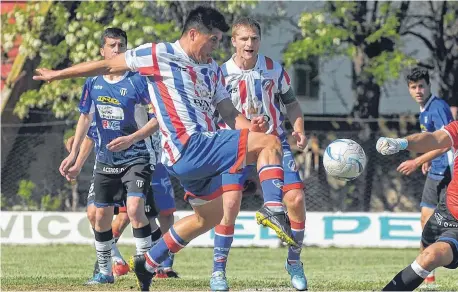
[205, 44]
[420, 91]
[112, 48]
[246, 41]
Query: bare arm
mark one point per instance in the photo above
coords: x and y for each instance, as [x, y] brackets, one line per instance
[85, 151]
[93, 68]
[427, 157]
[427, 141]
[231, 116]
[122, 143]
[294, 112]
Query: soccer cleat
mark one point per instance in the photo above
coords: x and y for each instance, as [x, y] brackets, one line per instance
[218, 282]
[120, 268]
[278, 221]
[163, 273]
[96, 268]
[298, 279]
[144, 277]
[100, 278]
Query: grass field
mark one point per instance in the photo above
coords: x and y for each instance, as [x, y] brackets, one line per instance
[67, 267]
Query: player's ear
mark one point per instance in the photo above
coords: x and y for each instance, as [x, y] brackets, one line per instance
[102, 52]
[192, 34]
[233, 41]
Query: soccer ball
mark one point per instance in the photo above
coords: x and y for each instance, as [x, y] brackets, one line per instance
[344, 159]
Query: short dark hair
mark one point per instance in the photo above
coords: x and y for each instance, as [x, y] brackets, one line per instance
[417, 74]
[205, 19]
[246, 21]
[113, 33]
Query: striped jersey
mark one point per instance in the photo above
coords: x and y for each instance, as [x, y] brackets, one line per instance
[256, 91]
[184, 93]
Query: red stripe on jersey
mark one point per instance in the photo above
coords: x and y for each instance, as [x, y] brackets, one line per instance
[221, 77]
[169, 151]
[242, 91]
[269, 63]
[152, 70]
[272, 108]
[194, 80]
[288, 81]
[168, 102]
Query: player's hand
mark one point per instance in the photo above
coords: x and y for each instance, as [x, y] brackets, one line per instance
[68, 162]
[259, 124]
[300, 139]
[120, 143]
[47, 75]
[69, 144]
[389, 146]
[408, 167]
[73, 172]
[426, 167]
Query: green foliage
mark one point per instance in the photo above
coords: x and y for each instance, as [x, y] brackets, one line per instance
[25, 190]
[49, 203]
[345, 28]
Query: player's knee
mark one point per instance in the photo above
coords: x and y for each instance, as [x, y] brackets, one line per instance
[91, 216]
[135, 210]
[295, 199]
[430, 258]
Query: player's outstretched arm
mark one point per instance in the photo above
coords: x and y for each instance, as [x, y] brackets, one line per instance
[236, 120]
[82, 127]
[87, 69]
[421, 143]
[122, 143]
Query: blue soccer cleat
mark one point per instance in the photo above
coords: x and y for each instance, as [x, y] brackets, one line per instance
[298, 279]
[100, 278]
[218, 282]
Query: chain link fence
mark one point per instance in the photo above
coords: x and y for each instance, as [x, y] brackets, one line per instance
[31, 180]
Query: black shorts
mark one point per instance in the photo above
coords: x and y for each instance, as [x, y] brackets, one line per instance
[433, 191]
[120, 207]
[442, 228]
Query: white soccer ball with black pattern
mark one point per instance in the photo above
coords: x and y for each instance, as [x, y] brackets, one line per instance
[344, 159]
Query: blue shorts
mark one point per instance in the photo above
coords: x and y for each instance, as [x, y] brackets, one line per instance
[292, 178]
[209, 164]
[164, 196]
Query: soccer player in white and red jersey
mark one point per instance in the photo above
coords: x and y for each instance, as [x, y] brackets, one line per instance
[440, 234]
[258, 85]
[186, 87]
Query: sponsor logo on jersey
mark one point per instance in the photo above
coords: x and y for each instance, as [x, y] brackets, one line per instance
[108, 99]
[110, 112]
[111, 125]
[98, 87]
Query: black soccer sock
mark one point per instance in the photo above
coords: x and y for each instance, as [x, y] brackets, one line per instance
[408, 279]
[155, 236]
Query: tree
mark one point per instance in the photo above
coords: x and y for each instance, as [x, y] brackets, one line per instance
[368, 33]
[439, 21]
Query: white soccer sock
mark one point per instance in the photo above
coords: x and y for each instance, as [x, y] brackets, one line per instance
[115, 253]
[103, 250]
[143, 244]
[419, 270]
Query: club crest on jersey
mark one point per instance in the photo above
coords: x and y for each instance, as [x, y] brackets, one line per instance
[123, 91]
[267, 84]
[439, 218]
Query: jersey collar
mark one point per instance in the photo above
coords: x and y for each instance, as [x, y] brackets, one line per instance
[422, 109]
[116, 81]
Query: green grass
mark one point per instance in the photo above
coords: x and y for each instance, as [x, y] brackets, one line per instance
[67, 267]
